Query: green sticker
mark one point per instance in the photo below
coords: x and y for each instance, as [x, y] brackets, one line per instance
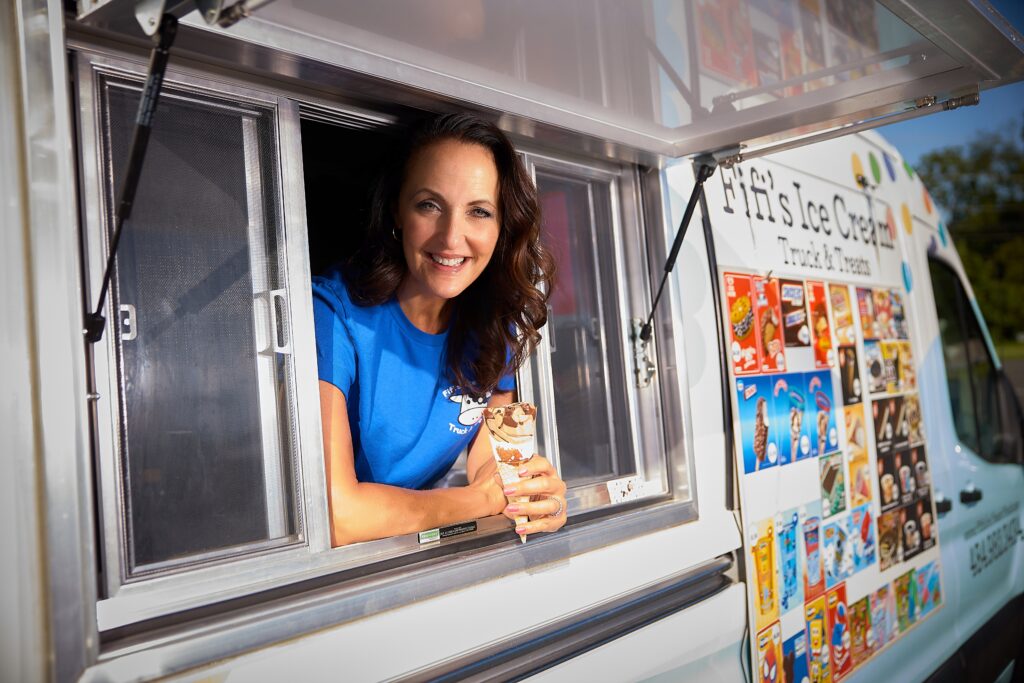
[876, 169]
[430, 536]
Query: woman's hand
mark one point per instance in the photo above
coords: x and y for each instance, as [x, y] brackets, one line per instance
[487, 481]
[546, 489]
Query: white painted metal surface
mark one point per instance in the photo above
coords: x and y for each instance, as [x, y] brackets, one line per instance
[22, 578]
[434, 630]
[671, 649]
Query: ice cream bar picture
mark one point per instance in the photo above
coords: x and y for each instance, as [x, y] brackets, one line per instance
[795, 325]
[740, 302]
[512, 430]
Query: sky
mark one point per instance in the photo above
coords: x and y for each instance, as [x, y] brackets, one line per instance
[1000, 108]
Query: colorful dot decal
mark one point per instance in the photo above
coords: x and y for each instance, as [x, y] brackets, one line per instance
[858, 169]
[908, 220]
[908, 169]
[927, 200]
[876, 169]
[889, 166]
[942, 234]
[908, 278]
[890, 221]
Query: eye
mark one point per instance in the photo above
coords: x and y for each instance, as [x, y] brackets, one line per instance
[428, 205]
[481, 212]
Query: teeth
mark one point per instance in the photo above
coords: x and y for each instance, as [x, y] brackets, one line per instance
[447, 261]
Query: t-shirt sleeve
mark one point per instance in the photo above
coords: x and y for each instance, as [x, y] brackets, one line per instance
[508, 380]
[335, 352]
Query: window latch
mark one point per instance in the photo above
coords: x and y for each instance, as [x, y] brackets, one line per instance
[643, 366]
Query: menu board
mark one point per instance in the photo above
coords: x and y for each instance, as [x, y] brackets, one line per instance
[837, 506]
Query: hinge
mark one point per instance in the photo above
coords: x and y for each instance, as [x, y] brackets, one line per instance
[643, 366]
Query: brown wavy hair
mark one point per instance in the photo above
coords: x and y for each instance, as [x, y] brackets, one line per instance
[495, 321]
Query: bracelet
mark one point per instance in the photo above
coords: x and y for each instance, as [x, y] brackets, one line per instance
[558, 512]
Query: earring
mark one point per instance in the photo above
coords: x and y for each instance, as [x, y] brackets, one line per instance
[394, 233]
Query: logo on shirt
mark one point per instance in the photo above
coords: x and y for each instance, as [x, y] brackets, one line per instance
[471, 408]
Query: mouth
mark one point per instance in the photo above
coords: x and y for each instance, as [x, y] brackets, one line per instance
[447, 262]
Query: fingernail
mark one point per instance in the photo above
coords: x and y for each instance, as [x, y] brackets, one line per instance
[520, 529]
[523, 471]
[510, 491]
[512, 508]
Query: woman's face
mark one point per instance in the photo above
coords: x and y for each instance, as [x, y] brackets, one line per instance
[448, 216]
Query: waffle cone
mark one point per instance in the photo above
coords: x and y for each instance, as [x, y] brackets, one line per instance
[511, 431]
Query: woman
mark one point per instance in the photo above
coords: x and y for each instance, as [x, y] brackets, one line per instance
[422, 327]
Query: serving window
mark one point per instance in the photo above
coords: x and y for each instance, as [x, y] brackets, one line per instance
[207, 437]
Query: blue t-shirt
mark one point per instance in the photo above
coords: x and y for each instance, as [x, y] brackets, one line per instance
[408, 422]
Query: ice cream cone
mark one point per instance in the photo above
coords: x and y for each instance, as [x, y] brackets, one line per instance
[512, 435]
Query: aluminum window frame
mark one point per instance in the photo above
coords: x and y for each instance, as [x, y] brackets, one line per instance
[127, 597]
[646, 437]
[129, 610]
[264, 322]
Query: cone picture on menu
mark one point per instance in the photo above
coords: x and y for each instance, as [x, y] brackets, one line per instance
[512, 429]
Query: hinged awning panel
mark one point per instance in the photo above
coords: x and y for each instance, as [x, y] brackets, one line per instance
[671, 77]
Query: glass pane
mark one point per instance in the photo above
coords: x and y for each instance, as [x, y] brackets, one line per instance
[673, 76]
[206, 433]
[1009, 443]
[985, 381]
[949, 298]
[586, 353]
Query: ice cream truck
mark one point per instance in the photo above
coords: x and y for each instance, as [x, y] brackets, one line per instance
[791, 450]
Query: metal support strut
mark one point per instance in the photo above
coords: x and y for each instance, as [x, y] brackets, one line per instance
[95, 322]
[705, 169]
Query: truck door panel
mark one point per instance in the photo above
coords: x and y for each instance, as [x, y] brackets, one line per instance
[985, 522]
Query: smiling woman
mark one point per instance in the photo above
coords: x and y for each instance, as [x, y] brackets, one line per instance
[443, 299]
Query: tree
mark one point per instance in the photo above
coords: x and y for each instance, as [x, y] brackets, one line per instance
[981, 185]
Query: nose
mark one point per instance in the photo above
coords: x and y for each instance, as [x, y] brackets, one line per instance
[451, 231]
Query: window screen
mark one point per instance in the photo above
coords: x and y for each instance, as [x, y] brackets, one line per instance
[206, 454]
[586, 353]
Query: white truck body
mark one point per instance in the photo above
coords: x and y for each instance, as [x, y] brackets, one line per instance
[652, 585]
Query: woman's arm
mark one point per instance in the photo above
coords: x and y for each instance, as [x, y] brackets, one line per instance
[364, 511]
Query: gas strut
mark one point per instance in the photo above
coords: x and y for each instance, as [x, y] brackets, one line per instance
[94, 322]
[705, 168]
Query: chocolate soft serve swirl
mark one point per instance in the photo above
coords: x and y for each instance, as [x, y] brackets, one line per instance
[513, 423]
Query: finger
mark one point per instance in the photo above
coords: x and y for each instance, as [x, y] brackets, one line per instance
[545, 507]
[543, 525]
[537, 465]
[539, 485]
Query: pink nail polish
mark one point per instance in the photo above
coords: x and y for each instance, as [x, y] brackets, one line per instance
[523, 471]
[512, 509]
[520, 529]
[510, 491]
